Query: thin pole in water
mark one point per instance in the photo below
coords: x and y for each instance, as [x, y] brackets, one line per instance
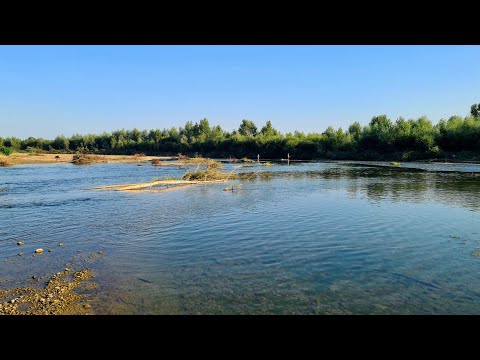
[258, 158]
[288, 159]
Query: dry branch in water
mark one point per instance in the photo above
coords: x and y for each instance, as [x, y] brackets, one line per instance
[206, 171]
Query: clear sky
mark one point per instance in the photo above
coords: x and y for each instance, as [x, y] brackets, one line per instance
[50, 90]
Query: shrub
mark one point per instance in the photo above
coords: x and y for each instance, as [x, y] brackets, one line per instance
[33, 150]
[6, 150]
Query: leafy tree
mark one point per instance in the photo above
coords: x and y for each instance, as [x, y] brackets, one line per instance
[355, 130]
[475, 110]
[379, 139]
[247, 128]
[268, 130]
[61, 143]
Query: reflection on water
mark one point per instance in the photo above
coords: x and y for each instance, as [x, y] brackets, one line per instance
[378, 184]
[314, 238]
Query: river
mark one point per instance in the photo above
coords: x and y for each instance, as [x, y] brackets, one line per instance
[309, 238]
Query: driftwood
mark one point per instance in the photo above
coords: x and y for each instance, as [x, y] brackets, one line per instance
[143, 187]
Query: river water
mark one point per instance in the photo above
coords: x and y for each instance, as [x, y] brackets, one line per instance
[309, 238]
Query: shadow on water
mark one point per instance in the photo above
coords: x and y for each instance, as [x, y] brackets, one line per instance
[460, 188]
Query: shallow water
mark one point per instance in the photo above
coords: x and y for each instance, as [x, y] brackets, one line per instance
[313, 238]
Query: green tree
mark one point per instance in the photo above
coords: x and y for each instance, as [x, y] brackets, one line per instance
[268, 131]
[61, 143]
[247, 128]
[475, 110]
[355, 130]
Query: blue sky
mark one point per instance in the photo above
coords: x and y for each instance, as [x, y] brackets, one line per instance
[51, 90]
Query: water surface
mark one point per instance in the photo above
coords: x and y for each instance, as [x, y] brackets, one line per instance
[313, 238]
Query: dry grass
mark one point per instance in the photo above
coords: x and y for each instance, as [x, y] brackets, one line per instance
[208, 175]
[208, 163]
[160, 162]
[182, 157]
[83, 159]
[205, 171]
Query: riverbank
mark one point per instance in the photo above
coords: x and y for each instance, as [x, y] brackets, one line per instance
[27, 158]
[56, 298]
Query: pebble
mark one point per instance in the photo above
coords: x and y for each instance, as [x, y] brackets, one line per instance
[20, 254]
[61, 244]
[20, 243]
[39, 251]
[50, 250]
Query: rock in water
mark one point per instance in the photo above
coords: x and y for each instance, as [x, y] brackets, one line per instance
[60, 244]
[20, 243]
[39, 251]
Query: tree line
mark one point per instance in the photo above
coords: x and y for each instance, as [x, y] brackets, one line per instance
[380, 139]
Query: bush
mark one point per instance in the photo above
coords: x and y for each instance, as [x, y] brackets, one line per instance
[6, 150]
[33, 150]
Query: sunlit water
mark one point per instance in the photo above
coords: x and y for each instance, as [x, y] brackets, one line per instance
[314, 238]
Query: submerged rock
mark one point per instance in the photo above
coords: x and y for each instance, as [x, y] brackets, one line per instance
[39, 251]
[57, 297]
[20, 243]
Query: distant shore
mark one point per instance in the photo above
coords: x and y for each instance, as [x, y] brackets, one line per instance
[55, 158]
[26, 158]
